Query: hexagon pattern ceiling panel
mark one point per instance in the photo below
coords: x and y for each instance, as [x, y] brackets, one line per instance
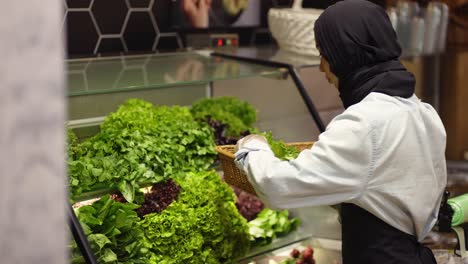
[140, 3]
[85, 35]
[141, 31]
[78, 3]
[115, 26]
[110, 20]
[100, 27]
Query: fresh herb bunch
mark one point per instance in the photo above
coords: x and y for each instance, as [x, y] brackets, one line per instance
[112, 231]
[239, 116]
[269, 224]
[202, 226]
[140, 143]
[280, 149]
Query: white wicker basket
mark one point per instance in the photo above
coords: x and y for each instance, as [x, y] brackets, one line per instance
[293, 28]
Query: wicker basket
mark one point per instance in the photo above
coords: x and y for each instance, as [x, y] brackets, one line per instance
[293, 28]
[232, 175]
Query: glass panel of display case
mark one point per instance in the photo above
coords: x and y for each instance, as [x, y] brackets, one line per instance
[128, 73]
[280, 108]
[88, 106]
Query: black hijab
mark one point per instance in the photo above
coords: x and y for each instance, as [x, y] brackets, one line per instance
[358, 41]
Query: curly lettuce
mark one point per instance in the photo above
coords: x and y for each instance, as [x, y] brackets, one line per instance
[202, 226]
[280, 149]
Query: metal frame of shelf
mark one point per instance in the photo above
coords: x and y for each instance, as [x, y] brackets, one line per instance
[80, 237]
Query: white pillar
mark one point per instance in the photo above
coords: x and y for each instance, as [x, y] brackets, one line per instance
[32, 114]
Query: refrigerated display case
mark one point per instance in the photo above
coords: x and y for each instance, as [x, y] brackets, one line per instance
[97, 86]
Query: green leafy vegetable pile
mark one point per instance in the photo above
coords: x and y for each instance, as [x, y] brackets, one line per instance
[238, 115]
[280, 149]
[112, 231]
[269, 224]
[202, 226]
[140, 143]
[193, 217]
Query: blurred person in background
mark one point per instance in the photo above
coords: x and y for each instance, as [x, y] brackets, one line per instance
[197, 12]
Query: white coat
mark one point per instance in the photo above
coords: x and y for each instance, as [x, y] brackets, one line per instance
[385, 154]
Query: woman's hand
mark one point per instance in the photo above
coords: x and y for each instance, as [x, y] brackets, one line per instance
[252, 142]
[246, 145]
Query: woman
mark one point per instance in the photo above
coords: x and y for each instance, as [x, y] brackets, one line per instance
[383, 157]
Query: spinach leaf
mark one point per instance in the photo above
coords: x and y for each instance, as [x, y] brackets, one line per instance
[140, 143]
[113, 232]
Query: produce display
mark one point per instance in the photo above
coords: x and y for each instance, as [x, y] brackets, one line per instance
[140, 143]
[201, 226]
[238, 116]
[189, 215]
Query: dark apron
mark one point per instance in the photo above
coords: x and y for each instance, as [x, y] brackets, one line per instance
[369, 240]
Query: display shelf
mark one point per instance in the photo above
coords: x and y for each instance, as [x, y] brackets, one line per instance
[129, 73]
[316, 222]
[325, 251]
[278, 243]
